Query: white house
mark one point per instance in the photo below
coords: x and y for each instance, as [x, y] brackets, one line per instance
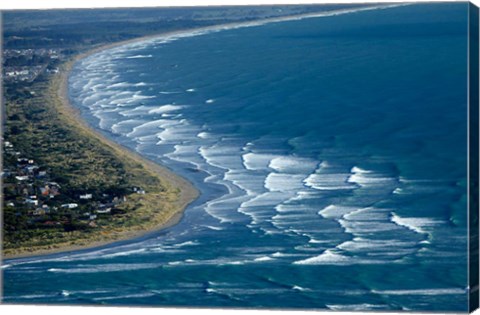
[103, 211]
[86, 196]
[70, 205]
[31, 201]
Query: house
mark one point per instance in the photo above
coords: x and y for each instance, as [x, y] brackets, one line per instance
[22, 160]
[138, 190]
[86, 196]
[31, 201]
[51, 189]
[31, 168]
[21, 178]
[93, 217]
[42, 173]
[70, 205]
[104, 210]
[53, 184]
[38, 211]
[45, 191]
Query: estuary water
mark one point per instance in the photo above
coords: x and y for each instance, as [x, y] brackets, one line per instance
[330, 153]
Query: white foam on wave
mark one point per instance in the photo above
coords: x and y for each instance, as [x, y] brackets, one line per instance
[368, 214]
[371, 246]
[222, 156]
[266, 199]
[147, 129]
[368, 226]
[328, 257]
[334, 257]
[295, 209]
[165, 109]
[177, 131]
[104, 268]
[398, 191]
[203, 135]
[365, 179]
[257, 161]
[299, 288]
[125, 253]
[283, 182]
[261, 207]
[327, 177]
[335, 211]
[263, 258]
[188, 154]
[125, 296]
[137, 111]
[215, 228]
[358, 170]
[290, 217]
[125, 126]
[418, 225]
[223, 261]
[304, 195]
[128, 100]
[139, 56]
[187, 243]
[432, 291]
[251, 183]
[30, 296]
[120, 85]
[224, 208]
[280, 255]
[356, 307]
[210, 101]
[361, 228]
[292, 164]
[315, 241]
[329, 182]
[65, 293]
[168, 92]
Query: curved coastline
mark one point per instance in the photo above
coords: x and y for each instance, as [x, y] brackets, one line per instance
[187, 193]
[58, 89]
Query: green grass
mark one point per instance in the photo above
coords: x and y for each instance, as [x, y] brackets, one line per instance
[79, 160]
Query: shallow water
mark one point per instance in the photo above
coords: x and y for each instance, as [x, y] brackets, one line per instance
[330, 153]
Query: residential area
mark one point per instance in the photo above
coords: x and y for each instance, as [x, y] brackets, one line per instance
[25, 65]
[32, 195]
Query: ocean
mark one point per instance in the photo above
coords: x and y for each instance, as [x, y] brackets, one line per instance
[330, 153]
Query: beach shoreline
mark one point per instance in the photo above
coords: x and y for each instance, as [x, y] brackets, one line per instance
[187, 193]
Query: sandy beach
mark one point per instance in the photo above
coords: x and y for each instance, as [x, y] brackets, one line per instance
[186, 191]
[58, 90]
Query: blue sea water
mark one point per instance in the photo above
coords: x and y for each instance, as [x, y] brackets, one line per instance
[330, 153]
